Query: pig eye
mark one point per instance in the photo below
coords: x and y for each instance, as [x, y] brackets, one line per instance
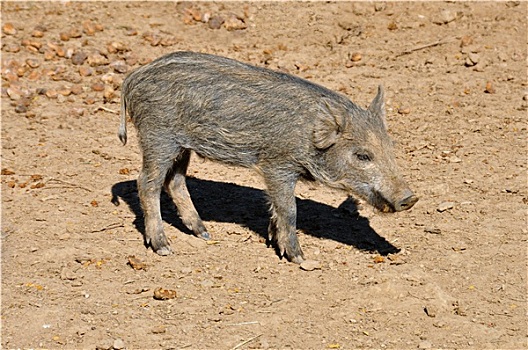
[363, 157]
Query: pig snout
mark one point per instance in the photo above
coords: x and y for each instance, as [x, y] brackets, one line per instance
[396, 202]
[409, 199]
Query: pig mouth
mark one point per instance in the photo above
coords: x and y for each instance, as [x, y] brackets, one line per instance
[378, 201]
[374, 197]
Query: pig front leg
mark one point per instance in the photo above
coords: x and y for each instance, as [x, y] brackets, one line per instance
[282, 226]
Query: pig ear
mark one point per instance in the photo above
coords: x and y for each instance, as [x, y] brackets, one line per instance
[328, 124]
[377, 107]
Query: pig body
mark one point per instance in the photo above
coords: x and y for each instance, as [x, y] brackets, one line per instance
[283, 126]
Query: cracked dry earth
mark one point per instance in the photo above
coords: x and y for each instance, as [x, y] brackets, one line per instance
[450, 273]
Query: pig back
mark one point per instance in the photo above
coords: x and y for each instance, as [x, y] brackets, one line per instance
[224, 109]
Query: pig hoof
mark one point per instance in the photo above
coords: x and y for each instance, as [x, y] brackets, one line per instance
[163, 251]
[296, 259]
[205, 235]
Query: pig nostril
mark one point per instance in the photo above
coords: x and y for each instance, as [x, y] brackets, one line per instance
[407, 203]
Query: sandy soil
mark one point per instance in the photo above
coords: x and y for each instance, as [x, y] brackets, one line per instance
[450, 273]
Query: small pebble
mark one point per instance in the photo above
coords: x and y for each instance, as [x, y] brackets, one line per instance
[90, 100]
[207, 283]
[439, 324]
[98, 86]
[49, 55]
[164, 294]
[9, 29]
[168, 41]
[10, 76]
[34, 76]
[109, 93]
[78, 58]
[60, 52]
[445, 17]
[206, 17]
[459, 310]
[37, 33]
[195, 14]
[234, 23]
[21, 71]
[97, 60]
[33, 63]
[77, 89]
[119, 344]
[433, 230]
[152, 38]
[159, 330]
[466, 41]
[404, 110]
[119, 66]
[380, 6]
[21, 108]
[64, 36]
[34, 44]
[51, 94]
[69, 53]
[89, 28]
[430, 311]
[67, 274]
[75, 33]
[472, 59]
[104, 345]
[64, 91]
[392, 26]
[310, 265]
[489, 88]
[445, 206]
[12, 48]
[116, 46]
[480, 67]
[77, 112]
[454, 159]
[131, 32]
[131, 59]
[356, 57]
[65, 236]
[26, 101]
[86, 71]
[14, 93]
[61, 98]
[425, 345]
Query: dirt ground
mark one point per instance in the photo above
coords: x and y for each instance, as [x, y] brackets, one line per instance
[450, 273]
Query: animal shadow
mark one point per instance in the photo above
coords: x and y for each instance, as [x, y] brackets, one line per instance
[246, 206]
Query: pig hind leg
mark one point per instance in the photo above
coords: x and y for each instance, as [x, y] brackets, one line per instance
[176, 187]
[282, 226]
[150, 182]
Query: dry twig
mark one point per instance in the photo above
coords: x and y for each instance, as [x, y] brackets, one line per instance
[242, 323]
[68, 184]
[246, 341]
[421, 47]
[109, 227]
[101, 108]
